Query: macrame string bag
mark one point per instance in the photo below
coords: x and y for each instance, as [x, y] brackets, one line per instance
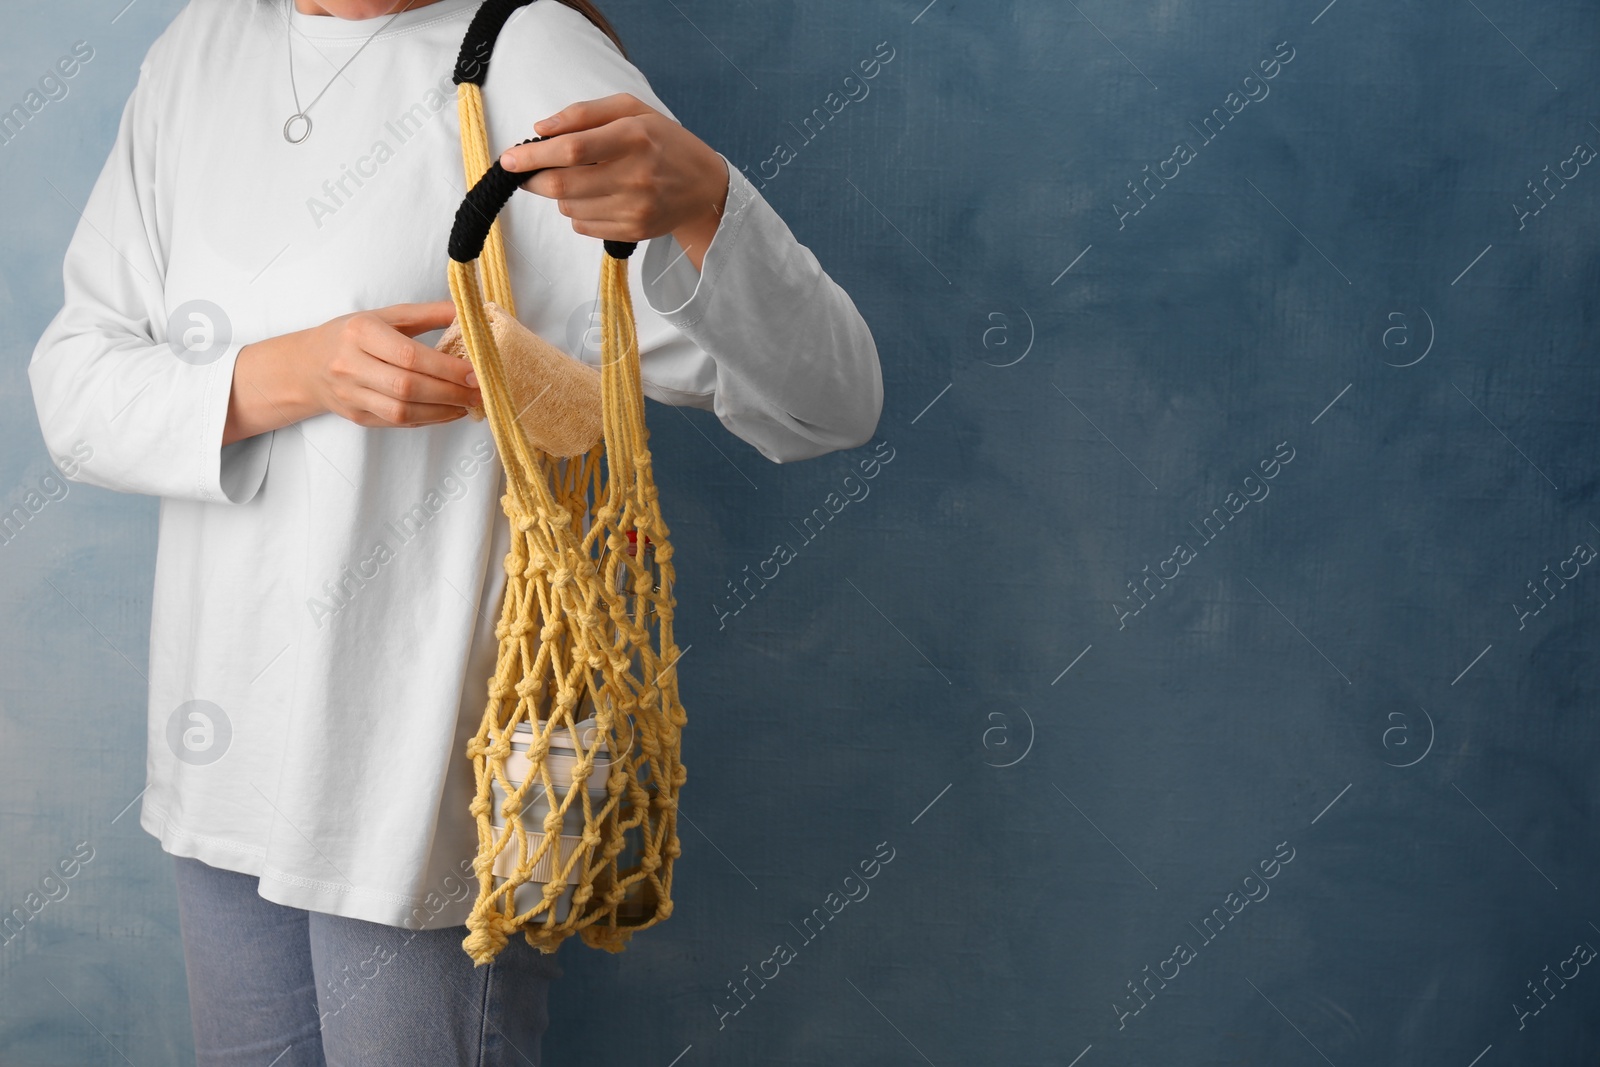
[585, 627]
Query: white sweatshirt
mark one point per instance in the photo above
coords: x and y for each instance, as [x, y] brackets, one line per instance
[322, 633]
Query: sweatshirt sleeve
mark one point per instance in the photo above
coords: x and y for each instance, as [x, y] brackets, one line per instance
[760, 334]
[797, 369]
[106, 381]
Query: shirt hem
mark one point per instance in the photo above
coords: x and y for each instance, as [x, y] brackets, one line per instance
[297, 891]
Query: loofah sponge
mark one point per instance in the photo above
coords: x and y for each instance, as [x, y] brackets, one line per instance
[556, 396]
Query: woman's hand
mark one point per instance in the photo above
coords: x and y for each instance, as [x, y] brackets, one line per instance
[365, 367]
[623, 171]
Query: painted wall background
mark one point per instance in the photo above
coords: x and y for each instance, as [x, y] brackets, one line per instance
[1371, 276]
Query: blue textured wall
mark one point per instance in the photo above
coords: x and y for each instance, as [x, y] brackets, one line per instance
[1342, 681]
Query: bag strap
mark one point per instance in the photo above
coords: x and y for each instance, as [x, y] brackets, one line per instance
[476, 236]
[477, 219]
[472, 67]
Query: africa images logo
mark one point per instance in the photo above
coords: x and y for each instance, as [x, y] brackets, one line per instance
[198, 732]
[198, 332]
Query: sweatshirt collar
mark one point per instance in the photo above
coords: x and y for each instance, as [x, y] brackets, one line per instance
[331, 27]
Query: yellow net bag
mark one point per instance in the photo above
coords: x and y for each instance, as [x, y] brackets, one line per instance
[577, 759]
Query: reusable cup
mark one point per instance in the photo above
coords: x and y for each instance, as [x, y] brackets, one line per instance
[537, 803]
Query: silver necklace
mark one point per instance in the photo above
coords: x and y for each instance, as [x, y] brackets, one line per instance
[302, 114]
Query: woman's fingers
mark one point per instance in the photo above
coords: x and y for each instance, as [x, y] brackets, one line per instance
[407, 369]
[412, 319]
[591, 131]
[396, 380]
[369, 368]
[383, 409]
[578, 157]
[586, 114]
[623, 171]
[613, 217]
[580, 182]
[420, 385]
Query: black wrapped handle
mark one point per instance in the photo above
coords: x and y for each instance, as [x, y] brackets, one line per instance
[483, 204]
[472, 64]
[480, 207]
[485, 200]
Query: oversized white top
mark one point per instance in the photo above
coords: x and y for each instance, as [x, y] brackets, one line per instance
[322, 632]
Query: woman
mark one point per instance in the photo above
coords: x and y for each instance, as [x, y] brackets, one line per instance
[244, 334]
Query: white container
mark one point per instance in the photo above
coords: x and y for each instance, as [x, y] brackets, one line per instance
[562, 760]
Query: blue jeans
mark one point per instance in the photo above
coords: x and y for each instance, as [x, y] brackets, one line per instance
[271, 986]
